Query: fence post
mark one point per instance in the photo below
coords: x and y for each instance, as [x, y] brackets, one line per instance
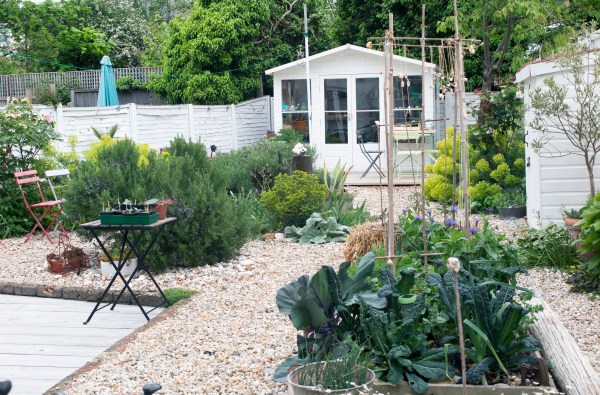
[190, 110]
[59, 128]
[234, 136]
[133, 122]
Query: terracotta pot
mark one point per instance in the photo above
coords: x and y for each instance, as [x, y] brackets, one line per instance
[575, 231]
[56, 264]
[162, 211]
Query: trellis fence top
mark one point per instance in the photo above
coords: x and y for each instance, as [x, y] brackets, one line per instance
[15, 85]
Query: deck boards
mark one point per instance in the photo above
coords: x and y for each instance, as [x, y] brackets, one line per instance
[43, 340]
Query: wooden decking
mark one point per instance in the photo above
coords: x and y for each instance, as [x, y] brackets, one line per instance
[44, 340]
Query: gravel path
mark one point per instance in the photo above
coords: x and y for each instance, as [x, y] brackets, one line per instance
[229, 338]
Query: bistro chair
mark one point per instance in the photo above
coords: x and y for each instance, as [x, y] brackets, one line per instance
[365, 135]
[60, 177]
[30, 177]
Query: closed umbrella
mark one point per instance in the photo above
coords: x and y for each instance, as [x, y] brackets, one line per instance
[107, 91]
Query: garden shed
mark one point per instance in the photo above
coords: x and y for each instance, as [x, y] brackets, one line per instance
[347, 95]
[556, 177]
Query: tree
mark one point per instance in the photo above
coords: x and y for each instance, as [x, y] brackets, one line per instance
[505, 28]
[121, 23]
[571, 108]
[82, 47]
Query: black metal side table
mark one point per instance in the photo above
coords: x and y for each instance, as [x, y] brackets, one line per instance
[132, 237]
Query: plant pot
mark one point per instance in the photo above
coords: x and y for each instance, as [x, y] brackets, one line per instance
[575, 231]
[302, 162]
[161, 210]
[108, 270]
[148, 218]
[297, 389]
[512, 212]
[56, 264]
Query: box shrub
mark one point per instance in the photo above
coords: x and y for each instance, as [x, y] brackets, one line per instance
[294, 197]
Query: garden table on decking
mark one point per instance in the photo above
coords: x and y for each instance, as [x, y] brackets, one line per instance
[132, 236]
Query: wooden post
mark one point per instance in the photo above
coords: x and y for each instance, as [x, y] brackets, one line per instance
[28, 96]
[389, 110]
[572, 369]
[423, 216]
[464, 137]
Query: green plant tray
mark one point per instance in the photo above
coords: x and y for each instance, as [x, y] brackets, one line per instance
[121, 219]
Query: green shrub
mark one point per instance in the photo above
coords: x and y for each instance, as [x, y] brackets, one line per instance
[254, 168]
[211, 225]
[590, 237]
[294, 197]
[129, 83]
[438, 186]
[23, 136]
[549, 247]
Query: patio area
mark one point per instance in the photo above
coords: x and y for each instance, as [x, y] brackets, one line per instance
[43, 340]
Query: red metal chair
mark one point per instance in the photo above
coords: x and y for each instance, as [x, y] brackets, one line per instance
[31, 177]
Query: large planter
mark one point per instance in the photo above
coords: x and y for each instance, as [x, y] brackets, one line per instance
[297, 389]
[456, 389]
[512, 212]
[302, 162]
[128, 219]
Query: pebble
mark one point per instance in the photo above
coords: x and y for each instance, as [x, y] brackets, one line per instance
[230, 338]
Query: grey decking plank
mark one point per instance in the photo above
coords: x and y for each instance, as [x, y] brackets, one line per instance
[43, 340]
[37, 349]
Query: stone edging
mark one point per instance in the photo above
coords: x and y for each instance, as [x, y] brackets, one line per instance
[119, 346]
[76, 293]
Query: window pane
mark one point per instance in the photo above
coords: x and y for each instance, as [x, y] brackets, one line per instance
[410, 117]
[336, 95]
[294, 96]
[367, 93]
[366, 128]
[407, 92]
[298, 121]
[336, 128]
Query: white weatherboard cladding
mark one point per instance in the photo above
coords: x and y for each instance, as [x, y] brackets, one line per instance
[222, 125]
[344, 63]
[556, 177]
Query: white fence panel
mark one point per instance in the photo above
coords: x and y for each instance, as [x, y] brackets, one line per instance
[158, 125]
[226, 126]
[79, 122]
[212, 125]
[251, 122]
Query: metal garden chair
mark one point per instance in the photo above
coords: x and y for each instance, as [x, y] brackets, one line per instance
[56, 186]
[31, 177]
[364, 136]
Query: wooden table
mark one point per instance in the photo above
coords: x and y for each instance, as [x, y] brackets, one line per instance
[413, 136]
[132, 237]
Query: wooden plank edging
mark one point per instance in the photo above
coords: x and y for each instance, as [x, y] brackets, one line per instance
[571, 368]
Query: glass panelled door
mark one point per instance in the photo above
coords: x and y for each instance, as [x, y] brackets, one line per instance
[352, 104]
[336, 110]
[367, 109]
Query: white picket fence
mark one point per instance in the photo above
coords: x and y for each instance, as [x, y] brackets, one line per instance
[226, 126]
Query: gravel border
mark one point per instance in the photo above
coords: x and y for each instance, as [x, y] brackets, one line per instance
[229, 337]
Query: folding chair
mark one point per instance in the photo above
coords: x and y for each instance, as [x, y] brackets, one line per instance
[57, 174]
[363, 135]
[30, 177]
